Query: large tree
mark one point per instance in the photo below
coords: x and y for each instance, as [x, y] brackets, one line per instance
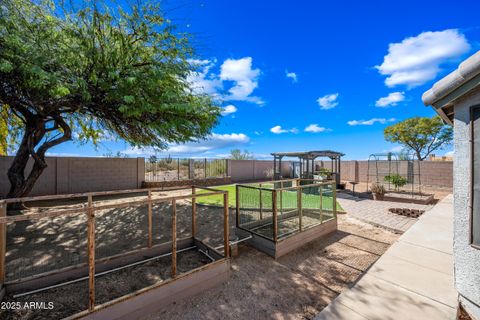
[420, 135]
[80, 72]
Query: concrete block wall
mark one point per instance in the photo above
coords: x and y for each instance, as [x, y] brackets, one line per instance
[432, 173]
[73, 175]
[246, 170]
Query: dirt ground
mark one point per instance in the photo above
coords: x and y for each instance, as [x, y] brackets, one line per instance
[297, 286]
[73, 298]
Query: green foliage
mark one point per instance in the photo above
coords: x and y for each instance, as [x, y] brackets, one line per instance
[81, 73]
[397, 180]
[420, 135]
[324, 172]
[237, 154]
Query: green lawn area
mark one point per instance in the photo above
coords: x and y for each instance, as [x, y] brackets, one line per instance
[289, 198]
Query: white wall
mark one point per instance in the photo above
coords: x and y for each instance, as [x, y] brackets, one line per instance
[467, 258]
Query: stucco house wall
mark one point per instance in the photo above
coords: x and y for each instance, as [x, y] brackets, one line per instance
[467, 258]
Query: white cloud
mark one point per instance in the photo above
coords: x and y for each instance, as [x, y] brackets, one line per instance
[229, 110]
[63, 154]
[291, 75]
[202, 81]
[236, 77]
[244, 77]
[370, 122]
[279, 129]
[293, 130]
[328, 101]
[214, 141]
[416, 60]
[391, 100]
[315, 128]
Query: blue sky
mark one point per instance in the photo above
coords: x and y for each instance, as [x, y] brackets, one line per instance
[310, 75]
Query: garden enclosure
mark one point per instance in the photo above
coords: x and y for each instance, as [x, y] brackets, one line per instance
[297, 210]
[95, 253]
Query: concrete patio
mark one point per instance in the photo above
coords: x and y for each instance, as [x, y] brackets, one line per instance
[412, 280]
[376, 212]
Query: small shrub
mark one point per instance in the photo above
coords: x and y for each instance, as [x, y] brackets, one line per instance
[397, 180]
[377, 189]
[324, 173]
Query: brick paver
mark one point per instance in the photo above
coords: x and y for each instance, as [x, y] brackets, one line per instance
[376, 212]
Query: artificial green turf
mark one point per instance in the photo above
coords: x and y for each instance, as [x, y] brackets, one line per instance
[289, 198]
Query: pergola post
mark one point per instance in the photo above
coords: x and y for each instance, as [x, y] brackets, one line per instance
[274, 167]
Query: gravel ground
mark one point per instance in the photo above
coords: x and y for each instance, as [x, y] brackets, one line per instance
[297, 286]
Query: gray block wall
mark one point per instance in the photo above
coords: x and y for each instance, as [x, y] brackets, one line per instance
[466, 257]
[73, 175]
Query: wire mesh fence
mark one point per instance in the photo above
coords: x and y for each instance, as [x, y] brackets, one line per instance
[278, 209]
[61, 235]
[172, 169]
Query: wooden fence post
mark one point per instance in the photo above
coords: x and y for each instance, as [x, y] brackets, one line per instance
[174, 238]
[299, 208]
[275, 218]
[321, 204]
[261, 203]
[150, 219]
[3, 243]
[334, 195]
[91, 254]
[237, 215]
[194, 213]
[226, 226]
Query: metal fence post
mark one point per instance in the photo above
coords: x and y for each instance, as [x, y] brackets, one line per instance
[91, 254]
[205, 168]
[194, 212]
[178, 168]
[191, 169]
[225, 174]
[150, 222]
[174, 239]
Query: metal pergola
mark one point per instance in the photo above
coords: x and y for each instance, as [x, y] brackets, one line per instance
[307, 162]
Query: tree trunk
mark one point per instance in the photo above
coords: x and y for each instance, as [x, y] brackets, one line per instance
[35, 132]
[19, 186]
[419, 156]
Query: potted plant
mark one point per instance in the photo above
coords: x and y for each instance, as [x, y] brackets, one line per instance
[378, 191]
[323, 174]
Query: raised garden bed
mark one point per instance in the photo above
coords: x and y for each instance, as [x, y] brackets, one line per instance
[284, 215]
[409, 197]
[83, 265]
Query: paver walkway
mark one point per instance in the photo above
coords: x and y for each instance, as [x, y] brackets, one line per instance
[376, 212]
[412, 280]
